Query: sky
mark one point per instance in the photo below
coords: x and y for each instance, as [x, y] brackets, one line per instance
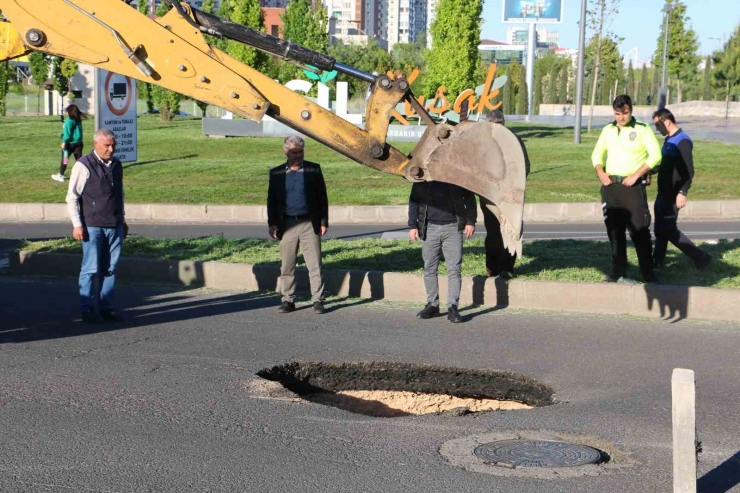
[638, 22]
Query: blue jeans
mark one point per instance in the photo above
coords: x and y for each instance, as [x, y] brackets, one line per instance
[100, 252]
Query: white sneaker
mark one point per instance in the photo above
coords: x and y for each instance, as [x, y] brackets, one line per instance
[58, 177]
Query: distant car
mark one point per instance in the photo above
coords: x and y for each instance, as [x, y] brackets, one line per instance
[118, 91]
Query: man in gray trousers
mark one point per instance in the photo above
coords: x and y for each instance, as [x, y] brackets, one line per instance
[298, 215]
[440, 214]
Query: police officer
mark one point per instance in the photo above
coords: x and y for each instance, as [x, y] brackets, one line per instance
[626, 151]
[674, 180]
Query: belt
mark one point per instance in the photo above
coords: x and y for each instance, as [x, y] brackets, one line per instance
[296, 217]
[619, 179]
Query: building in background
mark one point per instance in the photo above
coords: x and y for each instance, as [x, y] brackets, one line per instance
[273, 20]
[500, 53]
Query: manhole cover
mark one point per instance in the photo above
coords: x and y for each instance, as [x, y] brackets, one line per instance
[537, 453]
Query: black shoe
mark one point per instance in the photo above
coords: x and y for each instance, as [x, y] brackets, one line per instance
[703, 262]
[90, 317]
[286, 307]
[429, 311]
[651, 278]
[453, 315]
[110, 316]
[318, 307]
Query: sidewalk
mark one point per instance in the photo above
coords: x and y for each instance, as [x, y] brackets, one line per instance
[342, 214]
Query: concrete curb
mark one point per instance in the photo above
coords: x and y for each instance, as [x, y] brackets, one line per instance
[713, 210]
[654, 301]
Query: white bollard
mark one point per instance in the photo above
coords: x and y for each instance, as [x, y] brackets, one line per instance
[684, 431]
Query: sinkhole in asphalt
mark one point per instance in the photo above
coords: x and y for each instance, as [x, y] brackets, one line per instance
[392, 390]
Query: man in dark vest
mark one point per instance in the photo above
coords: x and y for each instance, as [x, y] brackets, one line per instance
[298, 216]
[440, 214]
[95, 206]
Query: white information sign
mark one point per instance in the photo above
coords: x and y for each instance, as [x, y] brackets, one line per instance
[115, 110]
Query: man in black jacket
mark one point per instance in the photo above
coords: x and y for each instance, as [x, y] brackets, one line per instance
[439, 215]
[674, 180]
[298, 215]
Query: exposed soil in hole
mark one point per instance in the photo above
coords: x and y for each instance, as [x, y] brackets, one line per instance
[394, 389]
[395, 403]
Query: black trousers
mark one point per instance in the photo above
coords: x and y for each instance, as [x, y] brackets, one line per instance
[666, 230]
[626, 208]
[498, 258]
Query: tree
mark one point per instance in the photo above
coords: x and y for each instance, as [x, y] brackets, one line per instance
[654, 83]
[514, 72]
[61, 83]
[4, 86]
[681, 53]
[39, 64]
[167, 101]
[706, 88]
[454, 58]
[304, 26]
[563, 91]
[247, 13]
[537, 96]
[208, 6]
[369, 58]
[143, 7]
[521, 101]
[508, 95]
[69, 69]
[552, 85]
[727, 65]
[642, 87]
[630, 87]
[600, 13]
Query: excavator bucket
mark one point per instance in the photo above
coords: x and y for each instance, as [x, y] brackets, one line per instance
[485, 158]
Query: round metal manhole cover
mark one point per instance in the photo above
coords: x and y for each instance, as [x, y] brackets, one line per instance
[537, 453]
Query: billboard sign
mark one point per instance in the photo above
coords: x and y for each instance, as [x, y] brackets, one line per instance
[115, 110]
[533, 11]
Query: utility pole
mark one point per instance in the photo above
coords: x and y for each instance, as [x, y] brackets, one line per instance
[579, 74]
[531, 48]
[667, 8]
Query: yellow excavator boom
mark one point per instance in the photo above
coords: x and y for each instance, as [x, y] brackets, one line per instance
[173, 52]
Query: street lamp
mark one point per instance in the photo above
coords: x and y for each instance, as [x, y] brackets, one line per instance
[667, 8]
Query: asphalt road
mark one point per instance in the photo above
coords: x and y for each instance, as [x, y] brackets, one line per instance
[168, 400]
[532, 231]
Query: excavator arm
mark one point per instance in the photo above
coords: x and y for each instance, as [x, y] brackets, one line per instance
[172, 52]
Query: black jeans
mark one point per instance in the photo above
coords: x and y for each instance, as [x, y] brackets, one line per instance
[626, 208]
[666, 229]
[498, 258]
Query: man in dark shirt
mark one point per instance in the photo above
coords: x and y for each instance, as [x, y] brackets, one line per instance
[674, 180]
[439, 215]
[298, 216]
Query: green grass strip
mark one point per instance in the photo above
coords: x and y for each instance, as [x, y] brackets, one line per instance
[178, 165]
[550, 260]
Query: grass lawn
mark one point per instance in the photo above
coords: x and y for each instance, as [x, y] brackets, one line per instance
[552, 260]
[179, 165]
